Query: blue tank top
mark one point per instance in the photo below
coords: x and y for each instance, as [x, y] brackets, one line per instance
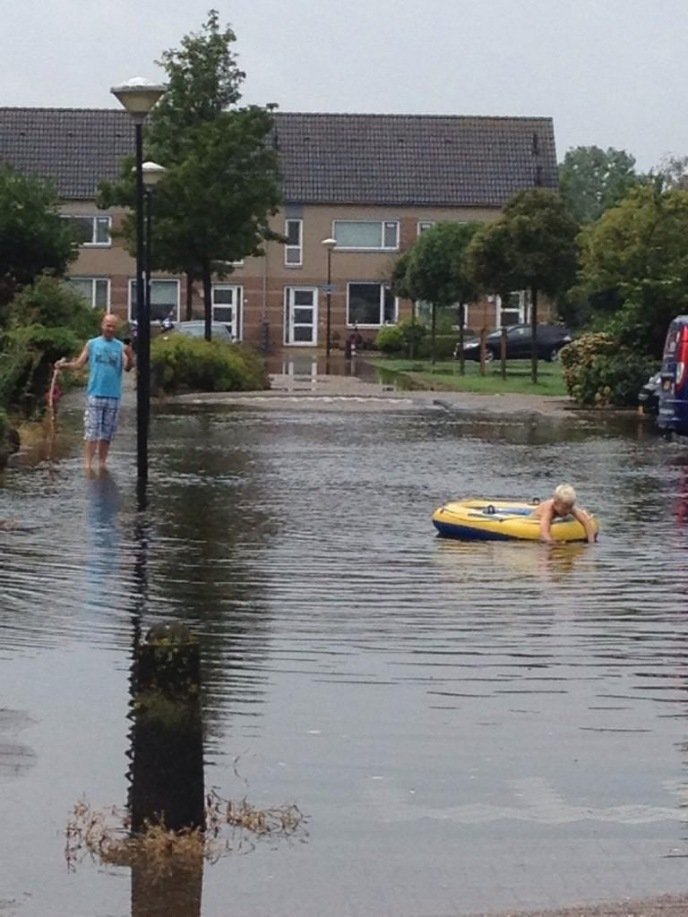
[106, 364]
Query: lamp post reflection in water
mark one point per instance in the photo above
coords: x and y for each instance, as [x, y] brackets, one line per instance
[166, 783]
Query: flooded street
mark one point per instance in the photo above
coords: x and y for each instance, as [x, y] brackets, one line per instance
[467, 727]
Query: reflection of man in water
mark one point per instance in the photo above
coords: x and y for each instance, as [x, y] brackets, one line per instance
[107, 358]
[104, 506]
[102, 553]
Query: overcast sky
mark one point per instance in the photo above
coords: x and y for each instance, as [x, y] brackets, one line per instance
[611, 73]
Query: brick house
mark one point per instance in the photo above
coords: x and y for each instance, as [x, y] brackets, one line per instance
[371, 182]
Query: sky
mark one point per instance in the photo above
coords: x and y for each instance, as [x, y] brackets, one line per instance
[610, 73]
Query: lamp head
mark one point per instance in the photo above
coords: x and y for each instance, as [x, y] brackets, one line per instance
[152, 173]
[138, 96]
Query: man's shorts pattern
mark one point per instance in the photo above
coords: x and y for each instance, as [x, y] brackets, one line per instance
[100, 418]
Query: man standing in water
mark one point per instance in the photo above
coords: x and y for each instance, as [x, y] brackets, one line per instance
[108, 358]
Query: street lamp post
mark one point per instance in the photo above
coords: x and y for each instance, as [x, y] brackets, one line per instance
[138, 96]
[329, 245]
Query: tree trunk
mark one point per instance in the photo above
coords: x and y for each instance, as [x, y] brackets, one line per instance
[533, 334]
[432, 334]
[208, 302]
[189, 296]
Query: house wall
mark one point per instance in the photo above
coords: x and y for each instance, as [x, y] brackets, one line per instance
[265, 281]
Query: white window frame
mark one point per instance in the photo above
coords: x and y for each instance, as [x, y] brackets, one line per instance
[293, 252]
[424, 225]
[154, 283]
[518, 310]
[384, 288]
[95, 220]
[96, 282]
[388, 235]
[235, 327]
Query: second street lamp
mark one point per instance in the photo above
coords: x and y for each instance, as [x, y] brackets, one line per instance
[329, 245]
[152, 173]
[138, 96]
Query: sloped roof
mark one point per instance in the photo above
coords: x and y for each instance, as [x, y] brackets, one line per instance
[422, 160]
[75, 148]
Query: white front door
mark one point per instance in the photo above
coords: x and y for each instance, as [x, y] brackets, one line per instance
[227, 307]
[301, 316]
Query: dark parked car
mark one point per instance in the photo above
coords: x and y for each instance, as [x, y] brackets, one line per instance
[550, 340]
[648, 396]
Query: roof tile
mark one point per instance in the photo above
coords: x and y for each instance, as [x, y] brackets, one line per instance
[359, 159]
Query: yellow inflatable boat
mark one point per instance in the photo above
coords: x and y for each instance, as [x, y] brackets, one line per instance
[501, 520]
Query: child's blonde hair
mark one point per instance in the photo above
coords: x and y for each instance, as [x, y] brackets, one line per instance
[565, 494]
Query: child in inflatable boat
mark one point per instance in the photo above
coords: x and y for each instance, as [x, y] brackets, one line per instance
[562, 503]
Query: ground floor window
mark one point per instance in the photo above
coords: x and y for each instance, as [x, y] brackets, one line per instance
[226, 307]
[95, 290]
[164, 300]
[370, 304]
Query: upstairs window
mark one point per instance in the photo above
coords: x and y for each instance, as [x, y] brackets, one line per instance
[91, 230]
[424, 225]
[293, 249]
[371, 235]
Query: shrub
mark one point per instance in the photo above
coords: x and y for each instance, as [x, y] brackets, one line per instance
[598, 372]
[46, 321]
[403, 339]
[445, 345]
[27, 355]
[53, 303]
[390, 340]
[180, 363]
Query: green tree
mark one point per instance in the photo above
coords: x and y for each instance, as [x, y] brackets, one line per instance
[34, 239]
[673, 171]
[532, 246]
[636, 256]
[212, 207]
[592, 180]
[434, 271]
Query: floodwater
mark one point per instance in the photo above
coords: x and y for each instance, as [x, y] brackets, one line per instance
[466, 727]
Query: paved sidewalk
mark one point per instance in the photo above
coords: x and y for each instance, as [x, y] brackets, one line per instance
[351, 393]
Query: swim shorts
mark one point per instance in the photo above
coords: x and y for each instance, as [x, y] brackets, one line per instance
[100, 418]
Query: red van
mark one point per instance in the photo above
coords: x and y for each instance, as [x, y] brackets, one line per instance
[672, 416]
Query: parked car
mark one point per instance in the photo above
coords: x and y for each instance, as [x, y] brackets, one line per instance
[218, 331]
[648, 396]
[550, 340]
[672, 415]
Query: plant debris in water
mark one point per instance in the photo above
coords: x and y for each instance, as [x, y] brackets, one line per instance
[230, 827]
